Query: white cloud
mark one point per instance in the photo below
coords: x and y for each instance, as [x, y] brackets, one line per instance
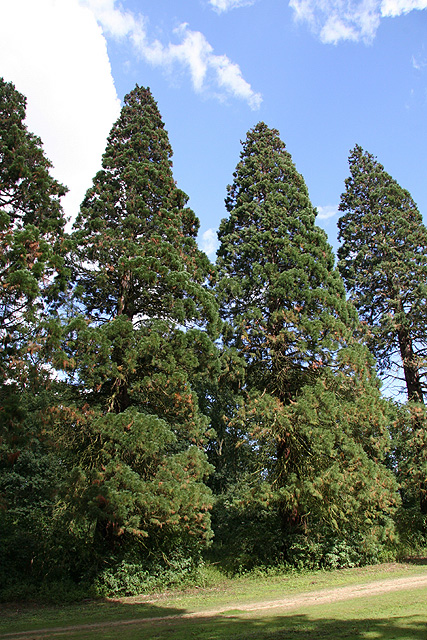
[354, 20]
[336, 20]
[209, 72]
[115, 22]
[55, 54]
[393, 8]
[225, 5]
[193, 52]
[336, 29]
[419, 62]
[209, 242]
[324, 213]
[230, 77]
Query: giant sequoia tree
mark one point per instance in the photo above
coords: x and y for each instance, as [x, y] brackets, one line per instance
[279, 288]
[32, 273]
[383, 261]
[31, 232]
[137, 343]
[313, 413]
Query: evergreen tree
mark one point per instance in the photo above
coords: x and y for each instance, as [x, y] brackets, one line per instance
[279, 288]
[317, 444]
[383, 261]
[140, 344]
[32, 276]
[31, 235]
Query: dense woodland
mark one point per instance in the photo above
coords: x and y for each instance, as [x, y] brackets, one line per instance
[159, 411]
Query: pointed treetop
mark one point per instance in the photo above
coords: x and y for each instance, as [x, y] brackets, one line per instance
[383, 261]
[28, 193]
[277, 284]
[135, 237]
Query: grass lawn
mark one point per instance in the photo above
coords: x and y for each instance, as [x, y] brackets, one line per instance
[399, 615]
[385, 617]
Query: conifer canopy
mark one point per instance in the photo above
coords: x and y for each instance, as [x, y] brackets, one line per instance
[307, 375]
[383, 261]
[31, 234]
[139, 339]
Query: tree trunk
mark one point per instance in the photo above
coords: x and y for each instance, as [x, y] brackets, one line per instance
[409, 361]
[414, 391]
[410, 367]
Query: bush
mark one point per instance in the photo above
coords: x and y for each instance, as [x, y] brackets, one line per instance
[332, 552]
[129, 577]
[246, 532]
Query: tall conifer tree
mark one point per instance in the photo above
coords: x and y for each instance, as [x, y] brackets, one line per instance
[307, 378]
[141, 342]
[31, 233]
[280, 289]
[383, 261]
[32, 274]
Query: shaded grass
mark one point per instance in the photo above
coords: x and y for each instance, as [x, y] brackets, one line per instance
[394, 616]
[395, 613]
[383, 617]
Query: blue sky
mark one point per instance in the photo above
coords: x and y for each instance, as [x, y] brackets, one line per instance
[326, 73]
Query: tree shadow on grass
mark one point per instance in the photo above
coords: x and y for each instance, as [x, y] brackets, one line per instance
[289, 627]
[237, 625]
[29, 620]
[136, 620]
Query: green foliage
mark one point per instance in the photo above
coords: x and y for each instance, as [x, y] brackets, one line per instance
[335, 552]
[31, 236]
[135, 227]
[124, 424]
[247, 528]
[129, 578]
[277, 285]
[220, 398]
[27, 191]
[316, 439]
[383, 261]
[408, 458]
[139, 340]
[32, 276]
[130, 486]
[35, 544]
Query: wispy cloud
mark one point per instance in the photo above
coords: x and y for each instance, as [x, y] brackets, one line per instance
[394, 8]
[419, 62]
[336, 20]
[209, 242]
[220, 6]
[229, 77]
[324, 213]
[211, 73]
[115, 22]
[355, 20]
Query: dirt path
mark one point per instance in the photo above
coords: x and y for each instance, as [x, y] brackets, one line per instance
[284, 604]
